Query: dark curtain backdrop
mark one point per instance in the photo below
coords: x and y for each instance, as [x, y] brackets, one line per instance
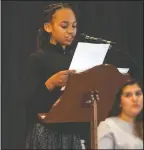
[117, 21]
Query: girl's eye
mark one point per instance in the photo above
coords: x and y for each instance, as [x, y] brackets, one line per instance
[139, 93]
[74, 26]
[64, 26]
[127, 94]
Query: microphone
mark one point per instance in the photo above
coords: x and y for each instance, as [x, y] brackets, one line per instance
[132, 58]
[87, 37]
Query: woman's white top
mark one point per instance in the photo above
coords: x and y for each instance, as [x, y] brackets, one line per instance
[115, 133]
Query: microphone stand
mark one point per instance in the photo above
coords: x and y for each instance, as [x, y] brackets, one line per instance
[127, 54]
[135, 68]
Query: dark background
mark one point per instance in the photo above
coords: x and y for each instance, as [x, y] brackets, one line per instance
[119, 21]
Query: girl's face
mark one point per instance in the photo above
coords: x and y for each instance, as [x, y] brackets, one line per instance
[63, 27]
[132, 100]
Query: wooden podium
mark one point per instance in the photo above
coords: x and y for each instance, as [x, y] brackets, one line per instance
[74, 106]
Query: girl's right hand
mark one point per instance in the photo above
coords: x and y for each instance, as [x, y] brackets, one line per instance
[59, 79]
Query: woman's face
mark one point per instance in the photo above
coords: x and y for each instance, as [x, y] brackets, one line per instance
[132, 100]
[63, 27]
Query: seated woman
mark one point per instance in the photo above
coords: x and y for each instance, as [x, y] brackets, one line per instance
[123, 129]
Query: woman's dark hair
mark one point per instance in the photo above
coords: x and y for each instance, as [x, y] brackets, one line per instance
[116, 109]
[43, 37]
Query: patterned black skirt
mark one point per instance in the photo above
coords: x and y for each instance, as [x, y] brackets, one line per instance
[43, 137]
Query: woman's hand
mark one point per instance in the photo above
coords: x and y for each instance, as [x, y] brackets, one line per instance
[59, 79]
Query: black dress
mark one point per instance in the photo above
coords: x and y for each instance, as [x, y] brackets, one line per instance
[42, 64]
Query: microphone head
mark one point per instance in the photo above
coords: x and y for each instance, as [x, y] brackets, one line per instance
[83, 35]
[85, 38]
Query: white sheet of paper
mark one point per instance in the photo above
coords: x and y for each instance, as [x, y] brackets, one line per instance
[88, 55]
